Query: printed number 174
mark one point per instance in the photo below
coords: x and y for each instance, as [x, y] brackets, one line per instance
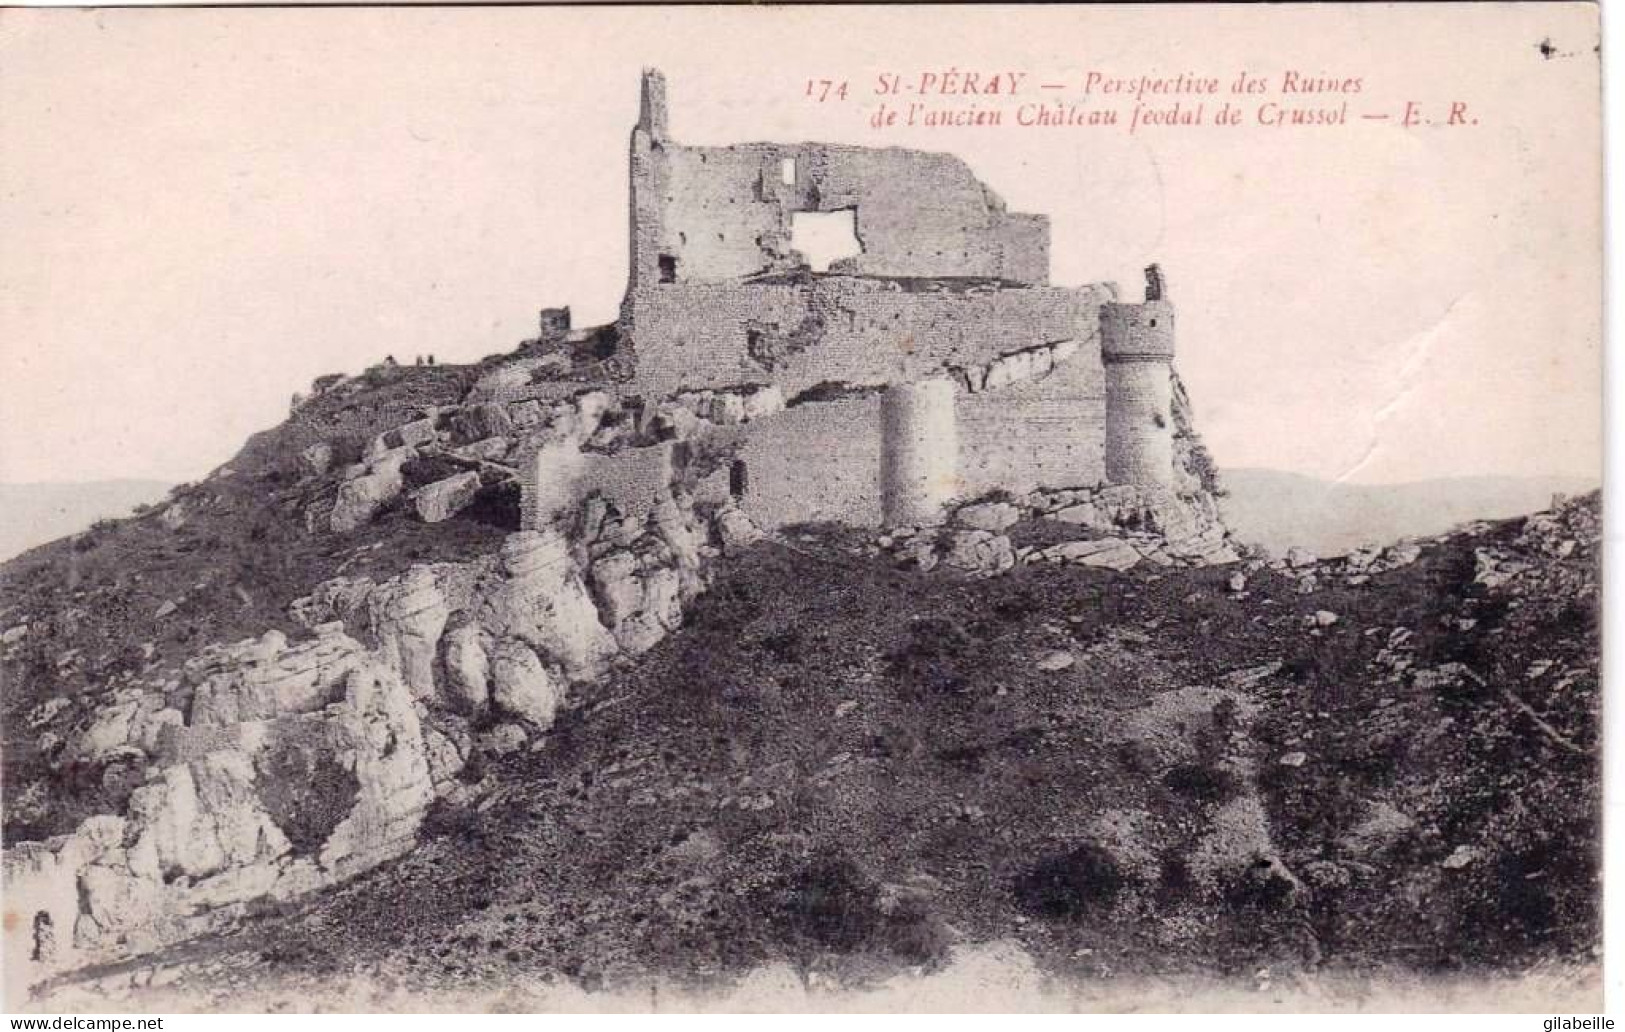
[821, 90]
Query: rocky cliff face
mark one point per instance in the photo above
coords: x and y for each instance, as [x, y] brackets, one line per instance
[292, 767]
[278, 765]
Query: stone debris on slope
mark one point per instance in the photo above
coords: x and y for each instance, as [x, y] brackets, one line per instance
[444, 499]
[1123, 526]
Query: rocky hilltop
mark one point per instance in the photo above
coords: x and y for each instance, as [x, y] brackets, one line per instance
[259, 687]
[267, 714]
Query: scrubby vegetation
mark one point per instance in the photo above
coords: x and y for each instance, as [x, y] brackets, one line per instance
[854, 770]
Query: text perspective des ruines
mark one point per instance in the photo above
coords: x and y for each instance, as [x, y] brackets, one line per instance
[996, 98]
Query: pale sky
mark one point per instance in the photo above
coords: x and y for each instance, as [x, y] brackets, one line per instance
[205, 209]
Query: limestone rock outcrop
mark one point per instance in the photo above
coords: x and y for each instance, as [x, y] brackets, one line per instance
[539, 599]
[444, 499]
[408, 615]
[465, 653]
[521, 685]
[374, 485]
[265, 677]
[1116, 527]
[298, 765]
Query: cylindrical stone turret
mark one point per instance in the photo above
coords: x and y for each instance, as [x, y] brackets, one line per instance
[1137, 349]
[919, 452]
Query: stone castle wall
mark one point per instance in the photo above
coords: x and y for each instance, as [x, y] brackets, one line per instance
[718, 214]
[819, 461]
[1137, 332]
[1042, 433]
[948, 283]
[841, 330]
[822, 460]
[556, 478]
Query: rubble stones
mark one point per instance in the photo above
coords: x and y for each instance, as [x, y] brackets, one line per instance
[978, 551]
[415, 434]
[1111, 553]
[361, 498]
[1300, 558]
[318, 458]
[486, 449]
[994, 517]
[484, 421]
[444, 499]
[1380, 828]
[1056, 661]
[1493, 570]
[503, 740]
[736, 530]
[1460, 857]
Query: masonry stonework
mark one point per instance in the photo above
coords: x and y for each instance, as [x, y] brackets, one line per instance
[1137, 350]
[944, 319]
[919, 452]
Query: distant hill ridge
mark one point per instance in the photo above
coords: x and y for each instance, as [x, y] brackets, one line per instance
[37, 513]
[1278, 510]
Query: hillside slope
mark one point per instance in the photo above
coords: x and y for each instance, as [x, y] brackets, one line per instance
[1383, 765]
[132, 600]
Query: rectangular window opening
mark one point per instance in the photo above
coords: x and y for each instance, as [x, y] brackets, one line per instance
[825, 237]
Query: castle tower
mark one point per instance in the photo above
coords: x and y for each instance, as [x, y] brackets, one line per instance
[1137, 349]
[648, 183]
[919, 452]
[652, 104]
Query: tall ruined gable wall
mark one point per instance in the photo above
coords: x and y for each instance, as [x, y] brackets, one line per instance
[842, 330]
[715, 214]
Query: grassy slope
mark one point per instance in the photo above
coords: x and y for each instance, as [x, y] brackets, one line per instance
[850, 767]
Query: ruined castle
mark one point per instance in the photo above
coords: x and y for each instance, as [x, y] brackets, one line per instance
[933, 363]
[929, 378]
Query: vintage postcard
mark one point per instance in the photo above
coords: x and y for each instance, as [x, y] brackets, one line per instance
[907, 508]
